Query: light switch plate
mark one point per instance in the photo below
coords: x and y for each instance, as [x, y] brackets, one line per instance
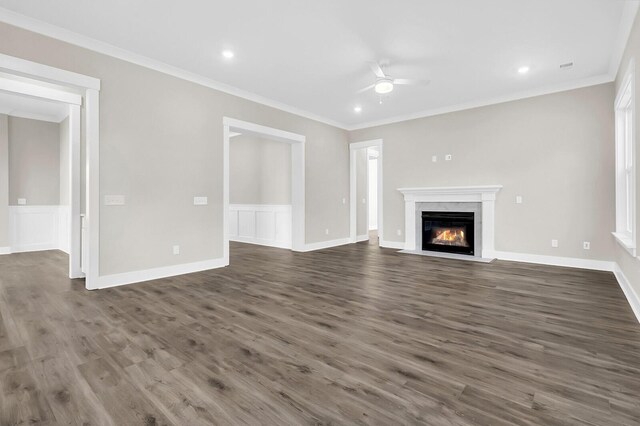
[176, 249]
[200, 201]
[114, 200]
[554, 243]
[434, 158]
[586, 245]
[448, 157]
[518, 199]
[22, 201]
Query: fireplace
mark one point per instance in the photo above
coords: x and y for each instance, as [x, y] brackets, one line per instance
[450, 232]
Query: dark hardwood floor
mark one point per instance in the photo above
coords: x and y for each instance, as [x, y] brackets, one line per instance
[350, 335]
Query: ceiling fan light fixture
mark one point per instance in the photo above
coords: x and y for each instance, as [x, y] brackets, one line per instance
[383, 86]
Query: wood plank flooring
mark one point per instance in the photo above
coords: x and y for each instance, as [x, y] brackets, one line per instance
[349, 335]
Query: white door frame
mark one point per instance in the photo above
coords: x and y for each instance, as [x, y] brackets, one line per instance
[353, 218]
[77, 89]
[297, 143]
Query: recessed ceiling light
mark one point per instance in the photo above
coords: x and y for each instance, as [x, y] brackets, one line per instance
[523, 70]
[228, 54]
[357, 108]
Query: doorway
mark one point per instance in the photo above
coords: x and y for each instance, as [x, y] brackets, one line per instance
[366, 191]
[78, 96]
[233, 127]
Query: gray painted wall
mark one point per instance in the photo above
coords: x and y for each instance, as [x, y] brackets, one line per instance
[161, 144]
[554, 150]
[4, 181]
[259, 171]
[65, 165]
[34, 161]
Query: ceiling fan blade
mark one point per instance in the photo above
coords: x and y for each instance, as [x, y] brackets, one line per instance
[377, 69]
[411, 82]
[371, 86]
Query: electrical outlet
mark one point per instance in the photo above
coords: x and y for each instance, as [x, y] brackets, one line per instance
[22, 201]
[114, 200]
[448, 157]
[518, 199]
[399, 232]
[326, 231]
[344, 200]
[434, 158]
[554, 243]
[176, 249]
[200, 201]
[586, 245]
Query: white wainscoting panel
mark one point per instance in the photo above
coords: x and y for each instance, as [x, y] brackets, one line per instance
[64, 233]
[33, 228]
[263, 224]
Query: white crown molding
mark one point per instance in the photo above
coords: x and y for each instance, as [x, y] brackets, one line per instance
[114, 280]
[629, 13]
[632, 297]
[53, 31]
[547, 90]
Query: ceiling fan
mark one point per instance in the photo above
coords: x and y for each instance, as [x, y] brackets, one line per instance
[384, 83]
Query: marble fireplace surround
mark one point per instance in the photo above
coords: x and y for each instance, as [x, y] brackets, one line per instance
[478, 199]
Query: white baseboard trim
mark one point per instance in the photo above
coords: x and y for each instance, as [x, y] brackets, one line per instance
[632, 297]
[266, 243]
[114, 280]
[361, 238]
[570, 262]
[34, 247]
[399, 245]
[5, 250]
[326, 244]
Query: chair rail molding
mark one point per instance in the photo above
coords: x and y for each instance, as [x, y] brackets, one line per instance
[485, 194]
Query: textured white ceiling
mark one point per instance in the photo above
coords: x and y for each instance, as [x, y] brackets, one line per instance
[312, 55]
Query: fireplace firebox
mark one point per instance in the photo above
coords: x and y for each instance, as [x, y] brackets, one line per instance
[449, 232]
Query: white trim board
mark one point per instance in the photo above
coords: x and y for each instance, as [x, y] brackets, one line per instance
[361, 238]
[632, 297]
[114, 280]
[569, 262]
[5, 250]
[326, 244]
[397, 245]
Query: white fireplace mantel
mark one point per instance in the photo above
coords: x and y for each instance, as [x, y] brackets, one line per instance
[485, 194]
